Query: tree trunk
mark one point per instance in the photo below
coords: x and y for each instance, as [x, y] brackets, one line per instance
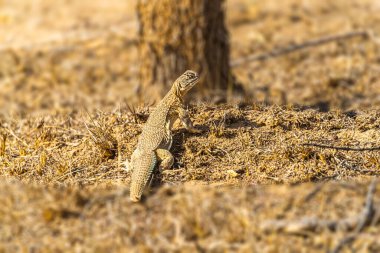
[176, 35]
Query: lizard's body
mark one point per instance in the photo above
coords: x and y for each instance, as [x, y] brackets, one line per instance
[156, 137]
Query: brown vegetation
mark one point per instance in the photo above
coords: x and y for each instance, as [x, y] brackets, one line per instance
[186, 218]
[243, 147]
[251, 144]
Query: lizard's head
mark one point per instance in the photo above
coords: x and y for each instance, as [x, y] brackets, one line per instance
[186, 81]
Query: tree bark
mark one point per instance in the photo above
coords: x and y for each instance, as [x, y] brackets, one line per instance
[176, 35]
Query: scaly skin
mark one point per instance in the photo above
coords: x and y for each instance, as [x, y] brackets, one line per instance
[156, 137]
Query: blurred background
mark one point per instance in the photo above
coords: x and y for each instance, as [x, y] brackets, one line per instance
[66, 55]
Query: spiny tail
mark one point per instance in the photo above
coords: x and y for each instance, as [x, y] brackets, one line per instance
[144, 165]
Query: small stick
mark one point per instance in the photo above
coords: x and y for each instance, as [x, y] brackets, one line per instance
[314, 192]
[364, 218]
[340, 148]
[291, 48]
[308, 224]
[355, 224]
[16, 137]
[369, 208]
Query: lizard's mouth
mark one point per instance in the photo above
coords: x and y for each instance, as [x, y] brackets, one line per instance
[190, 84]
[194, 81]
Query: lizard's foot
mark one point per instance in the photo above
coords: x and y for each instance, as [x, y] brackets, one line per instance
[171, 172]
[186, 121]
[194, 130]
[166, 158]
[165, 165]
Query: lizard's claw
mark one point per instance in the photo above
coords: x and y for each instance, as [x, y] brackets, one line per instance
[195, 130]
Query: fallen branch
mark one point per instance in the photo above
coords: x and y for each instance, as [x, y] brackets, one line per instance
[340, 148]
[289, 49]
[355, 224]
[314, 192]
[364, 219]
[308, 224]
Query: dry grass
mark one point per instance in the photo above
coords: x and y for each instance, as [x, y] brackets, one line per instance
[71, 190]
[261, 144]
[187, 218]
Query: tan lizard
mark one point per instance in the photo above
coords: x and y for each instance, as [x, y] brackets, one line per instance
[156, 137]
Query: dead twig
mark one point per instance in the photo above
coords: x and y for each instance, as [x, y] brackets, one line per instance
[340, 148]
[355, 224]
[291, 48]
[307, 224]
[10, 131]
[364, 219]
[314, 192]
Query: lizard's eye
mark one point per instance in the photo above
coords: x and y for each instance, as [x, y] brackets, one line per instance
[188, 79]
[191, 74]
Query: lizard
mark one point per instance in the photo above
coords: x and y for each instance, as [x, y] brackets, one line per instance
[156, 137]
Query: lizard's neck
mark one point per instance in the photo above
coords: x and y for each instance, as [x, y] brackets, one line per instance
[177, 93]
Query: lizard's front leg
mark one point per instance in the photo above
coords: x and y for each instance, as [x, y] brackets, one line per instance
[166, 159]
[186, 121]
